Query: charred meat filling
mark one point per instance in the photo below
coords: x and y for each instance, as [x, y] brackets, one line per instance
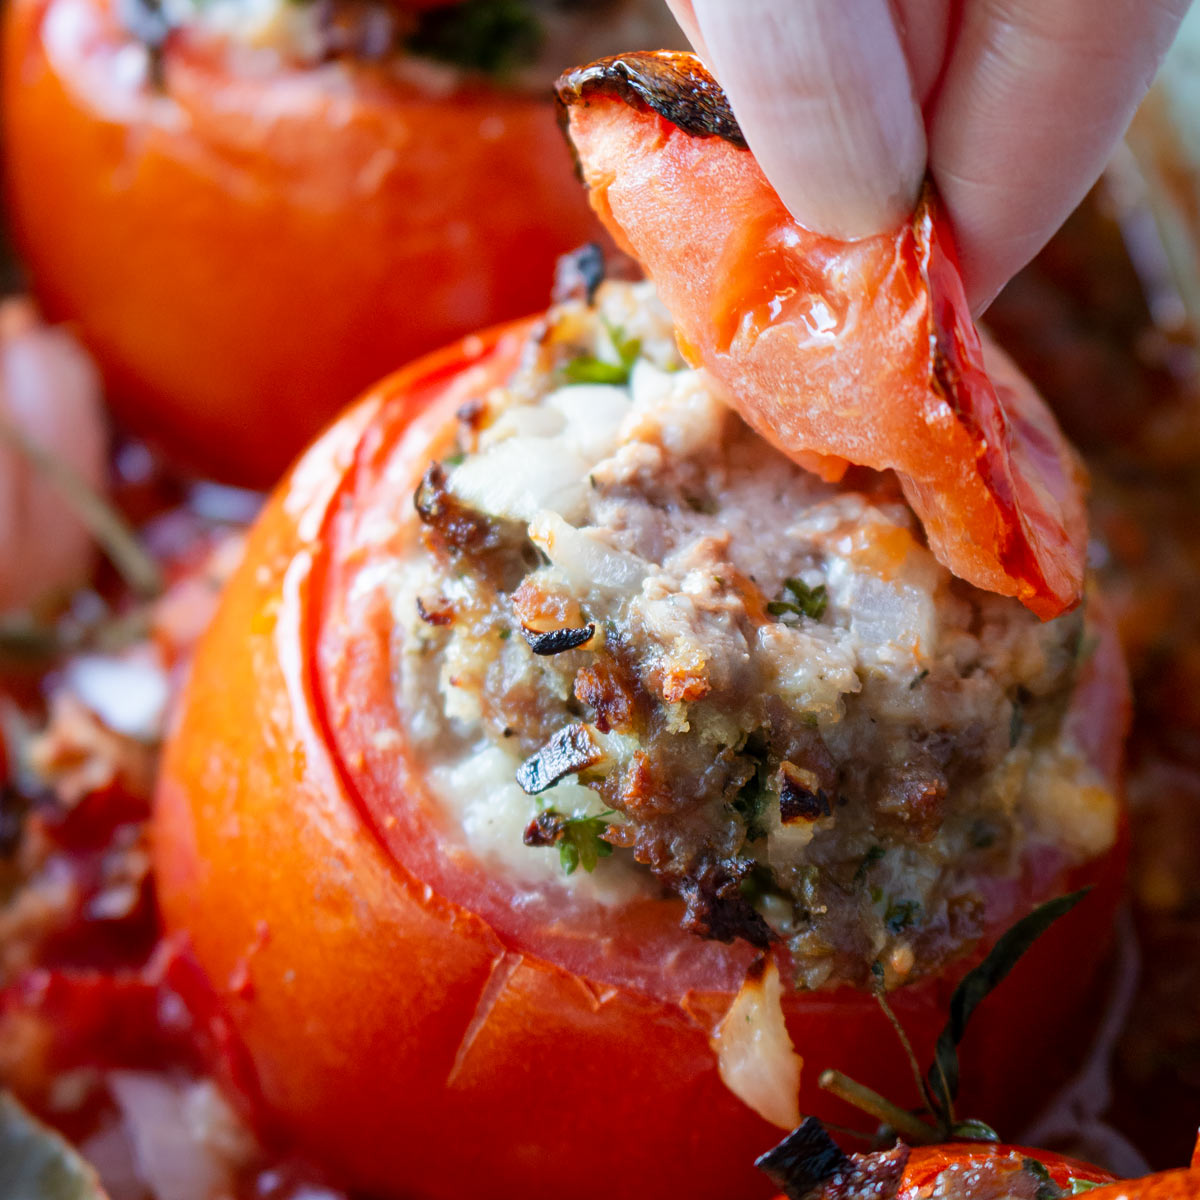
[634, 638]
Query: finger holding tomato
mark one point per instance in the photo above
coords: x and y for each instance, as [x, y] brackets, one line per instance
[250, 212]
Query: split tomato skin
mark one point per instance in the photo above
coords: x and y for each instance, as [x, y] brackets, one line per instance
[835, 352]
[412, 1046]
[246, 246]
[926, 1163]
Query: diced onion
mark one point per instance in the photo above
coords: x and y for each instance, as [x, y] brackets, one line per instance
[187, 1142]
[755, 1056]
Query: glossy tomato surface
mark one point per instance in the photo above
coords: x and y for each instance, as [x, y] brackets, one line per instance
[413, 1023]
[244, 245]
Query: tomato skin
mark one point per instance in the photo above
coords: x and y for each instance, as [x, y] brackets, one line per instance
[246, 249]
[834, 351]
[926, 1163]
[416, 1048]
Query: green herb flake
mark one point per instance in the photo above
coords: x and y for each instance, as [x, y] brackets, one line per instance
[901, 914]
[455, 460]
[37, 1162]
[1078, 1186]
[582, 843]
[805, 601]
[587, 368]
[918, 680]
[753, 796]
[871, 857]
[973, 1130]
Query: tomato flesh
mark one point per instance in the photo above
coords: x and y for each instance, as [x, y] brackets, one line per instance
[860, 351]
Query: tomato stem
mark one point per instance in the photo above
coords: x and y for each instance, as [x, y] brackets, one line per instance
[913, 1129]
[922, 1088]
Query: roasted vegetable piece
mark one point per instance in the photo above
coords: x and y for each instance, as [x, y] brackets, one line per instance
[836, 352]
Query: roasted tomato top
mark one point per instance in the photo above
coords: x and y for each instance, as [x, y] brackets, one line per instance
[860, 352]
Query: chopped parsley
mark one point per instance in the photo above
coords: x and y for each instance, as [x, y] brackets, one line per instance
[493, 36]
[582, 843]
[753, 796]
[587, 368]
[869, 859]
[901, 914]
[1079, 1186]
[805, 601]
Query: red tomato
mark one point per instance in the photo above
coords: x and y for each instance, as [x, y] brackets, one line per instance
[861, 351]
[412, 1024]
[247, 246]
[926, 1163]
[959, 1169]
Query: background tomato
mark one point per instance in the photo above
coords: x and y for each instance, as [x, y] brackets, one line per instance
[410, 1025]
[246, 244]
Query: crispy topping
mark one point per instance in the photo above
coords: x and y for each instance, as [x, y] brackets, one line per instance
[441, 614]
[570, 750]
[717, 907]
[461, 527]
[555, 641]
[610, 692]
[671, 84]
[801, 798]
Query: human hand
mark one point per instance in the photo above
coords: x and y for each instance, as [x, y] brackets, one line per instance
[1013, 106]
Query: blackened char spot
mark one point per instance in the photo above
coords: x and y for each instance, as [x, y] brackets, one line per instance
[798, 801]
[803, 1160]
[807, 1165]
[716, 907]
[673, 84]
[555, 641]
[546, 829]
[570, 750]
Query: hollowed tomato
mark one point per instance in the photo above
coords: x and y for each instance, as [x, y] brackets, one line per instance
[412, 1022]
[245, 244]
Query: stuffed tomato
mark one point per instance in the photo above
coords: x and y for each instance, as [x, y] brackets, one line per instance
[250, 211]
[565, 767]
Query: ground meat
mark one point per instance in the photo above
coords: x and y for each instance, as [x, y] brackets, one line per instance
[773, 700]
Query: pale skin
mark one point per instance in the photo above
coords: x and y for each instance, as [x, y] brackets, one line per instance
[1012, 106]
[50, 397]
